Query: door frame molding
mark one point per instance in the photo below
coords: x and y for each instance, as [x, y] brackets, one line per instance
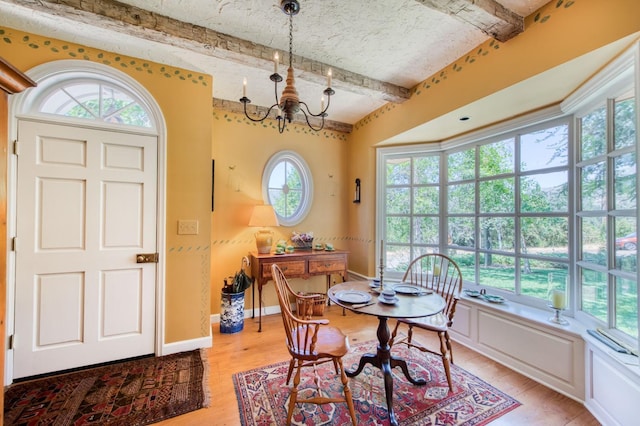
[19, 108]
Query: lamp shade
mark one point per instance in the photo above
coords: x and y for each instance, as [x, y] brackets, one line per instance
[263, 216]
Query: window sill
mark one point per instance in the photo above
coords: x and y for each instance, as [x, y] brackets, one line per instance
[529, 313]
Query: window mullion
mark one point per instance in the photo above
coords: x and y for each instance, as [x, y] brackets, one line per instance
[572, 286]
[100, 102]
[443, 185]
[476, 203]
[610, 188]
[412, 206]
[516, 216]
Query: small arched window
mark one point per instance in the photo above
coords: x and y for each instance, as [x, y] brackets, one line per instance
[287, 185]
[94, 100]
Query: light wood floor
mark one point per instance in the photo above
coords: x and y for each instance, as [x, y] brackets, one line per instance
[232, 353]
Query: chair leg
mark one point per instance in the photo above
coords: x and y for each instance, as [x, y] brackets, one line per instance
[410, 333]
[291, 363]
[445, 360]
[293, 397]
[336, 366]
[347, 392]
[449, 347]
[393, 334]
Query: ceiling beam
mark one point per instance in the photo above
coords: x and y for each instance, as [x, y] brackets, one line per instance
[488, 16]
[140, 23]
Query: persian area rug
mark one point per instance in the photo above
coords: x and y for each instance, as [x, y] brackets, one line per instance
[134, 392]
[263, 395]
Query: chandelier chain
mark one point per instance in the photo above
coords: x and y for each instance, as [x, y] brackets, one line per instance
[289, 103]
[291, 40]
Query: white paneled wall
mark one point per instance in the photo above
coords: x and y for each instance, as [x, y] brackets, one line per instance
[524, 341]
[612, 393]
[535, 350]
[564, 358]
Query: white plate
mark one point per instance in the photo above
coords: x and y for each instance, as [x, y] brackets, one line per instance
[388, 302]
[353, 296]
[408, 289]
[472, 293]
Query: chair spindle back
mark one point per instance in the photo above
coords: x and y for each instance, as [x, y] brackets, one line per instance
[301, 333]
[439, 273]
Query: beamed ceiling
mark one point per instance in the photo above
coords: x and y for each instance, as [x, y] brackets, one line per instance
[377, 50]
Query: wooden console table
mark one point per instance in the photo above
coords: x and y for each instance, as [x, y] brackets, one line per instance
[301, 264]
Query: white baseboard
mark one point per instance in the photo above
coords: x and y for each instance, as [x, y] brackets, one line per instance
[186, 345]
[354, 276]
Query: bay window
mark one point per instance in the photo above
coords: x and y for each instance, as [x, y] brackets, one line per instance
[607, 214]
[532, 208]
[411, 209]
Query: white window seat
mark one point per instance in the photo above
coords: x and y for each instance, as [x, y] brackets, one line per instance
[564, 358]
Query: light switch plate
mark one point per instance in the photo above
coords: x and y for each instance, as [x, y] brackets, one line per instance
[187, 227]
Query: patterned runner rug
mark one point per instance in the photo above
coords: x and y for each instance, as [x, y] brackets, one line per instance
[136, 392]
[263, 394]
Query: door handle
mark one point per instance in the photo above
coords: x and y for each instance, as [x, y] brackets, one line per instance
[147, 258]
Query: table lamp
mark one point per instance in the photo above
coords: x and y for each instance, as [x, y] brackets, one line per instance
[264, 216]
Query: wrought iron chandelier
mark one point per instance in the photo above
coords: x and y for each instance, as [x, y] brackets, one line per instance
[289, 103]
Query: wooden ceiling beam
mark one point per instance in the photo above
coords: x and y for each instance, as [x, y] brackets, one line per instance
[140, 23]
[488, 16]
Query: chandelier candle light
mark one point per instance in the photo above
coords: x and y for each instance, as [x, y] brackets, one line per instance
[558, 302]
[289, 103]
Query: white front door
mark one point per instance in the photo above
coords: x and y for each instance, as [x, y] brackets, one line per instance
[86, 208]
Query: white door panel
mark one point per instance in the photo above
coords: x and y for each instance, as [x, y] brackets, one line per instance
[60, 214]
[86, 206]
[121, 295]
[122, 215]
[59, 309]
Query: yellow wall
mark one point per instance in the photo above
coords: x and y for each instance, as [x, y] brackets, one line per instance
[185, 100]
[241, 150]
[559, 32]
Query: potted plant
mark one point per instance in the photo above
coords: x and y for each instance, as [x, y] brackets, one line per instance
[232, 300]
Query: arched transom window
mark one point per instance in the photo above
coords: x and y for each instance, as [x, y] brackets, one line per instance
[94, 100]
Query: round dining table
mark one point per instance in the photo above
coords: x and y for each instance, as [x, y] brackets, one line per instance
[413, 302]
